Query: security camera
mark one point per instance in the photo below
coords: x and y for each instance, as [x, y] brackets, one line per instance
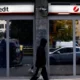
[42, 9]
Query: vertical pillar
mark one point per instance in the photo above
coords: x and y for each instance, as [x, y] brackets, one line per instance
[41, 19]
[41, 23]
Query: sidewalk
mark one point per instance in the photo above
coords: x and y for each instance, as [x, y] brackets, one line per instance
[25, 78]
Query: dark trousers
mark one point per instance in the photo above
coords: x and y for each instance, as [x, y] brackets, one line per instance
[43, 73]
[32, 67]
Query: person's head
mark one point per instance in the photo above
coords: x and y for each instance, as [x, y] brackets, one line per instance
[43, 42]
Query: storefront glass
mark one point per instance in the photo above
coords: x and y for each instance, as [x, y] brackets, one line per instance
[77, 41]
[3, 53]
[61, 47]
[21, 47]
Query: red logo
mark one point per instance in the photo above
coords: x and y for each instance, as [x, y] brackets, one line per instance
[75, 9]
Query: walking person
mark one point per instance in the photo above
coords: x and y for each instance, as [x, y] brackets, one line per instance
[41, 61]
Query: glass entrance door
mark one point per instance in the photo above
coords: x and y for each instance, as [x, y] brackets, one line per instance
[62, 46]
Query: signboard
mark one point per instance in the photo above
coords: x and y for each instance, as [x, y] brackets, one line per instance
[17, 8]
[64, 9]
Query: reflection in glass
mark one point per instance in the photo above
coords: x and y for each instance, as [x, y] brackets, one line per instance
[61, 47]
[77, 36]
[21, 49]
[3, 47]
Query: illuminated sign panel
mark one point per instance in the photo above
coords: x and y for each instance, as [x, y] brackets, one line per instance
[16, 8]
[64, 9]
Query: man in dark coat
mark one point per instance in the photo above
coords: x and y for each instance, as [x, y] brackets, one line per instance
[41, 61]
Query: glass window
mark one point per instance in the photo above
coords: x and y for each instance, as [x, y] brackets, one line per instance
[77, 41]
[2, 50]
[21, 47]
[61, 37]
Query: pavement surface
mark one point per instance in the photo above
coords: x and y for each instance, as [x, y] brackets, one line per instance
[20, 78]
[21, 72]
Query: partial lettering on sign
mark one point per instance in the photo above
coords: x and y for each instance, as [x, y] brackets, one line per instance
[4, 9]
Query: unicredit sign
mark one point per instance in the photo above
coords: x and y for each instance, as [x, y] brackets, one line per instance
[64, 9]
[17, 8]
[4, 9]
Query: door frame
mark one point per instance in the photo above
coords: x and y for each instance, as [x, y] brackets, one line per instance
[66, 17]
[16, 17]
